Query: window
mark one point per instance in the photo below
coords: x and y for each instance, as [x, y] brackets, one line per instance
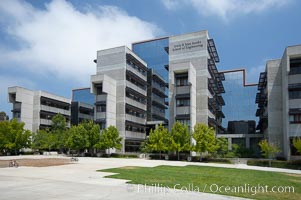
[183, 81]
[295, 66]
[295, 94]
[295, 119]
[101, 108]
[135, 82]
[183, 102]
[134, 113]
[129, 127]
[136, 97]
[99, 90]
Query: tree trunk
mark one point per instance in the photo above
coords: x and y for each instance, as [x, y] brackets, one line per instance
[178, 155]
[160, 155]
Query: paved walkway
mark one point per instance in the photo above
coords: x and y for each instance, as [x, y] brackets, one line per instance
[81, 181]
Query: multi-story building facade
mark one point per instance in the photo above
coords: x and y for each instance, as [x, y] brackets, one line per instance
[36, 108]
[188, 64]
[82, 106]
[154, 53]
[156, 105]
[194, 82]
[279, 101]
[120, 88]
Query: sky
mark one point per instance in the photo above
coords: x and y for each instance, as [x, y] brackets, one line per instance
[50, 45]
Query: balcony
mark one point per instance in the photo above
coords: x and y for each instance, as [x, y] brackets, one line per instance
[159, 100]
[135, 103]
[136, 135]
[17, 107]
[135, 71]
[85, 116]
[157, 111]
[102, 97]
[135, 119]
[136, 88]
[55, 110]
[183, 89]
[183, 110]
[100, 115]
[46, 122]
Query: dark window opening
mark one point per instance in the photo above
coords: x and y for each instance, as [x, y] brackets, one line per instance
[295, 66]
[183, 102]
[295, 94]
[295, 119]
[101, 108]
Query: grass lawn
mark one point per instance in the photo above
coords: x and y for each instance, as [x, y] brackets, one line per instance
[203, 177]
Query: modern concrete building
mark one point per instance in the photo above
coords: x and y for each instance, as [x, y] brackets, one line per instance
[279, 101]
[195, 86]
[188, 64]
[120, 88]
[82, 105]
[36, 108]
[81, 112]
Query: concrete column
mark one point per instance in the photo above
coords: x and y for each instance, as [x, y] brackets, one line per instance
[230, 143]
[247, 142]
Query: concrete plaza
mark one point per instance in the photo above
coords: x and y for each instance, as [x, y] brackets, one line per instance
[81, 181]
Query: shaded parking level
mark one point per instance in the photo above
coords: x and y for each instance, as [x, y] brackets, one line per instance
[81, 181]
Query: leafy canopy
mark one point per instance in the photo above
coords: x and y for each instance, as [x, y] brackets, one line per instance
[179, 138]
[297, 144]
[204, 139]
[109, 138]
[13, 136]
[268, 150]
[158, 139]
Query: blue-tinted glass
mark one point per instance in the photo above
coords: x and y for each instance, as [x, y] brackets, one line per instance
[154, 54]
[83, 95]
[239, 99]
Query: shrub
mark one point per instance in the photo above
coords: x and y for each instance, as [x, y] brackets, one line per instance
[293, 164]
[117, 155]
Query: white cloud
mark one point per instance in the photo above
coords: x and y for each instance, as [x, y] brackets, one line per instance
[226, 8]
[63, 40]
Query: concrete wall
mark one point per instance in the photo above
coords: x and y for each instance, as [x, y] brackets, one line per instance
[190, 50]
[275, 108]
[111, 72]
[31, 106]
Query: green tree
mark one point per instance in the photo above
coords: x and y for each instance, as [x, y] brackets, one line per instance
[179, 138]
[59, 131]
[93, 134]
[109, 138]
[44, 140]
[4, 130]
[204, 139]
[158, 140]
[297, 144]
[77, 138]
[13, 136]
[268, 150]
[222, 146]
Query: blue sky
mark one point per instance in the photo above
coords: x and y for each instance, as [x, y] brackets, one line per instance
[50, 45]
